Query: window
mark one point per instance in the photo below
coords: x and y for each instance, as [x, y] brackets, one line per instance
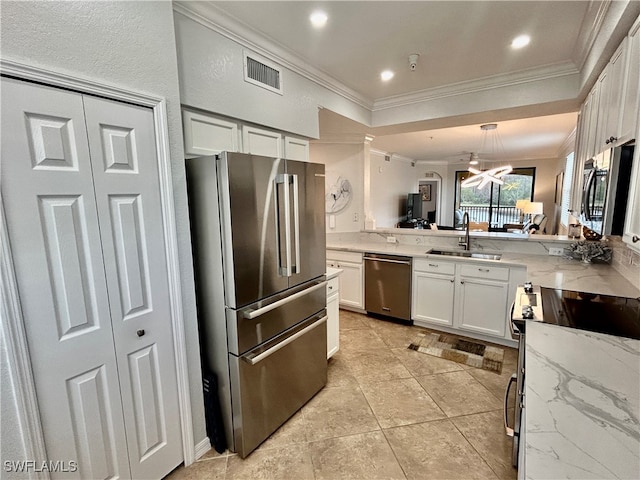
[566, 190]
[496, 204]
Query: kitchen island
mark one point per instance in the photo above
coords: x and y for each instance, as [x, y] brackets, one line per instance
[582, 405]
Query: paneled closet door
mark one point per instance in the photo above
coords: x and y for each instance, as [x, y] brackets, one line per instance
[48, 196]
[82, 201]
[125, 174]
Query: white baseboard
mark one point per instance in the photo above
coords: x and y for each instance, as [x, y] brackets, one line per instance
[202, 447]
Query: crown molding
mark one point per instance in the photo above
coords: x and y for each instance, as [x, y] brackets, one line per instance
[569, 144]
[589, 32]
[210, 16]
[342, 138]
[393, 156]
[478, 85]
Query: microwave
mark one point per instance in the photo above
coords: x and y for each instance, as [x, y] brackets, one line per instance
[605, 190]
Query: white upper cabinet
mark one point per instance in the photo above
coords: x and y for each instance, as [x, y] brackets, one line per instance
[259, 141]
[591, 119]
[612, 99]
[631, 96]
[296, 148]
[631, 235]
[208, 135]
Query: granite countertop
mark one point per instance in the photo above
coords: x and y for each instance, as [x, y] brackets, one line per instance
[544, 270]
[582, 404]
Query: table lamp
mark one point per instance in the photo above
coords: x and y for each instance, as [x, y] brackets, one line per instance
[520, 204]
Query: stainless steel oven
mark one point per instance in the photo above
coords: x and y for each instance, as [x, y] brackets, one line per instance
[612, 315]
[526, 306]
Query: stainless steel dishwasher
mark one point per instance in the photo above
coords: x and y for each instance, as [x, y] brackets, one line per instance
[388, 285]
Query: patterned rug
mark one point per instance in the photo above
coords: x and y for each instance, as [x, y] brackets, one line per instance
[459, 350]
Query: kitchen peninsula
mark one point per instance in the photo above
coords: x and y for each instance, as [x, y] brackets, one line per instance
[530, 251]
[581, 404]
[582, 388]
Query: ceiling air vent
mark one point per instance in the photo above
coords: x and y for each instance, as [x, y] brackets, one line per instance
[262, 73]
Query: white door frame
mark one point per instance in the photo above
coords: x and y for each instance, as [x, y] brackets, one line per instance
[438, 181]
[12, 327]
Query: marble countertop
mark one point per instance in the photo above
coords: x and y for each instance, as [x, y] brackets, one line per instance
[582, 404]
[544, 270]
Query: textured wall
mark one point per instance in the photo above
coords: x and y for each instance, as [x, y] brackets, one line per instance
[212, 78]
[390, 183]
[129, 45]
[344, 161]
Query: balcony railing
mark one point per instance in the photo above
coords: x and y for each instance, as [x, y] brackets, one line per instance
[495, 216]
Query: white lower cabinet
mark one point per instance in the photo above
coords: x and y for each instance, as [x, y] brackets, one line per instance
[433, 287]
[333, 316]
[351, 279]
[469, 296]
[482, 306]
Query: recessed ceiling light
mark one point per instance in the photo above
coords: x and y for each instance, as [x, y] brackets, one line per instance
[520, 41]
[318, 19]
[386, 75]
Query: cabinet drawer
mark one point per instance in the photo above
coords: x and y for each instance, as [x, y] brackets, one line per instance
[434, 266]
[332, 286]
[342, 256]
[482, 271]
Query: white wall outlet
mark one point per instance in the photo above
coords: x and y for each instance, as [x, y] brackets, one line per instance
[391, 240]
[556, 251]
[356, 217]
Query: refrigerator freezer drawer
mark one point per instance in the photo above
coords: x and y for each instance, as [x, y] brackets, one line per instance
[257, 323]
[271, 383]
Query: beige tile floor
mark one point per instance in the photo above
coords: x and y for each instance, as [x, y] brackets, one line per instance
[387, 412]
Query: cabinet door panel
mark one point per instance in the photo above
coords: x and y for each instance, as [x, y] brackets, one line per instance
[261, 142]
[208, 135]
[351, 284]
[333, 324]
[432, 298]
[296, 149]
[482, 306]
[631, 96]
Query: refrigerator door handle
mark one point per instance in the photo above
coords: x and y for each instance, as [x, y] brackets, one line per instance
[286, 269]
[296, 224]
[252, 360]
[251, 314]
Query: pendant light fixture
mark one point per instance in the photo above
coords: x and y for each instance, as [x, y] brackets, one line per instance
[490, 142]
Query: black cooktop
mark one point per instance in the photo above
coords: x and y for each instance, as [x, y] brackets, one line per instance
[589, 311]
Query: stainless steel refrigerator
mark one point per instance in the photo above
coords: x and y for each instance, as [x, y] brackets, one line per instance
[258, 234]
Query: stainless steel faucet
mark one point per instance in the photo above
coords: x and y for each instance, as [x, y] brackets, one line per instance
[467, 241]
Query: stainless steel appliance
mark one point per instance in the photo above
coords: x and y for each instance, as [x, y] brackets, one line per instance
[258, 232]
[605, 190]
[387, 288]
[608, 314]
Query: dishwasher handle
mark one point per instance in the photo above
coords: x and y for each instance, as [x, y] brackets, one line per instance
[388, 260]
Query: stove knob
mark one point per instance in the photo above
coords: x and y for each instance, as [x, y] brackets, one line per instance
[527, 312]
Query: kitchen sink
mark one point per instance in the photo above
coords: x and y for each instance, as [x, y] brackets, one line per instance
[466, 254]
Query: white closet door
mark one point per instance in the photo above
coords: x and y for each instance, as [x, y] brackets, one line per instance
[49, 202]
[125, 174]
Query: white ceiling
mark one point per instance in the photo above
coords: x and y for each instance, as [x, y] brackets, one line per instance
[457, 41]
